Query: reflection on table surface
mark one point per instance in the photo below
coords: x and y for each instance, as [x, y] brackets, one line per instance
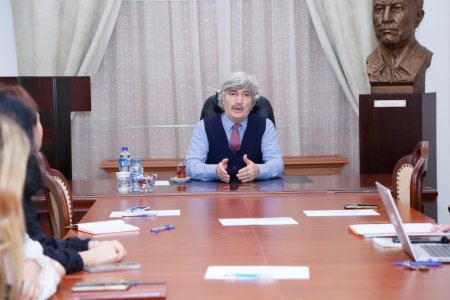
[348, 183]
[342, 265]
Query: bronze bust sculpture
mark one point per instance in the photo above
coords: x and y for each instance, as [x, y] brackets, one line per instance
[399, 63]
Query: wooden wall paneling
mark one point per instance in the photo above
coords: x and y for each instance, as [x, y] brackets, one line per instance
[57, 97]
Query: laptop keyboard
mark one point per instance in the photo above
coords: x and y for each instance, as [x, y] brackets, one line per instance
[440, 250]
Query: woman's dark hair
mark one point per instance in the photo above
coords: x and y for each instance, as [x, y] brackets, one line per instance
[20, 113]
[26, 118]
[20, 93]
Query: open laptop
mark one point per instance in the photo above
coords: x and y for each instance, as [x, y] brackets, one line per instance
[420, 252]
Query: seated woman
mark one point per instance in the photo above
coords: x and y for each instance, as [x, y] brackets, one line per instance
[72, 253]
[27, 272]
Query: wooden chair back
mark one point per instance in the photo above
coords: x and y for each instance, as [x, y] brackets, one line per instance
[58, 197]
[408, 175]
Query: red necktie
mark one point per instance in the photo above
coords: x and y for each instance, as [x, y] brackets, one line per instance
[235, 140]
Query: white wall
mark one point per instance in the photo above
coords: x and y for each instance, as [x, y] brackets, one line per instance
[8, 60]
[434, 33]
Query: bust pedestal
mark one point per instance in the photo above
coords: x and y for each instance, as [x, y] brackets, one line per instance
[390, 125]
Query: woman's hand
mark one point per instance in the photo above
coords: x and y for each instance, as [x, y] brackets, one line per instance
[104, 252]
[57, 266]
[441, 228]
[30, 281]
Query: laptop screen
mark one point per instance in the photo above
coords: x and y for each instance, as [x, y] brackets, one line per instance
[394, 216]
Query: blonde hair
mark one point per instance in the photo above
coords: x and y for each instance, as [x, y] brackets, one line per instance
[14, 153]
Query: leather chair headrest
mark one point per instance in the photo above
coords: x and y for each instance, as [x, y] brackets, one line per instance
[262, 108]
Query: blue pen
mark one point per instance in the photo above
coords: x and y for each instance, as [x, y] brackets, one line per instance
[418, 263]
[161, 228]
[138, 208]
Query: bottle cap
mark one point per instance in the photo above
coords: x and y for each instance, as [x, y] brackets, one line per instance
[137, 160]
[124, 148]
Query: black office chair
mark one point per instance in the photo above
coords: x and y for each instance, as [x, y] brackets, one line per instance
[262, 108]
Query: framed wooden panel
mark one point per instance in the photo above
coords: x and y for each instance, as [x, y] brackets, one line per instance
[57, 97]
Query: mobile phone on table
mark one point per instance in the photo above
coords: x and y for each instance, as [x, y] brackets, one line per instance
[126, 265]
[360, 206]
[98, 286]
[424, 240]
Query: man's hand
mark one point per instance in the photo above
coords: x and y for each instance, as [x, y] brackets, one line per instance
[221, 171]
[248, 173]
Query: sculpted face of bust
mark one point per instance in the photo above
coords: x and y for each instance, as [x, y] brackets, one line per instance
[395, 21]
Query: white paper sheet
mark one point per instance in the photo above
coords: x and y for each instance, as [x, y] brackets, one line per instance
[386, 243]
[162, 182]
[257, 272]
[258, 221]
[148, 213]
[340, 213]
[379, 230]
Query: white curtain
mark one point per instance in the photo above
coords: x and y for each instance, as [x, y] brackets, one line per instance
[166, 57]
[62, 38]
[346, 33]
[8, 59]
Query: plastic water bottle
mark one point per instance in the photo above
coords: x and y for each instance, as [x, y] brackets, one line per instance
[136, 173]
[124, 160]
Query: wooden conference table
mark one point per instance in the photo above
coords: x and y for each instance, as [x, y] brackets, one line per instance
[86, 192]
[342, 265]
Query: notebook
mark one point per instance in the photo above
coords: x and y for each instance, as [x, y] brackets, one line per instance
[382, 230]
[420, 252]
[105, 227]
